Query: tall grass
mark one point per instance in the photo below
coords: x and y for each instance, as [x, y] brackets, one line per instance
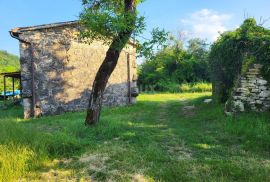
[24, 147]
[170, 87]
[196, 87]
[254, 131]
[15, 161]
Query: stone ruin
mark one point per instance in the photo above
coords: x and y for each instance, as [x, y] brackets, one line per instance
[251, 93]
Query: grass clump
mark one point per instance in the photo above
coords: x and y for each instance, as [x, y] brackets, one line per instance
[196, 87]
[170, 87]
[13, 161]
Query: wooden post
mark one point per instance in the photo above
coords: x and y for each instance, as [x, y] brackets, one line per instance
[13, 91]
[128, 78]
[5, 88]
[20, 88]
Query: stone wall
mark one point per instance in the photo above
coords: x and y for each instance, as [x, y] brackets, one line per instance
[252, 92]
[60, 70]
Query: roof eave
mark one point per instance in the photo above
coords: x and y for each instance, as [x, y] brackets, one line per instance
[44, 26]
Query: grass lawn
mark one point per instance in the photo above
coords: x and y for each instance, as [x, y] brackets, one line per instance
[161, 138]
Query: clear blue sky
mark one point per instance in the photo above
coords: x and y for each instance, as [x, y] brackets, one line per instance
[194, 18]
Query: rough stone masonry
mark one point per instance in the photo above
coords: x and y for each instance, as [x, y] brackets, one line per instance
[58, 70]
[252, 92]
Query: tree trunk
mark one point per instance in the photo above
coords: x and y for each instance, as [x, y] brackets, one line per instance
[107, 67]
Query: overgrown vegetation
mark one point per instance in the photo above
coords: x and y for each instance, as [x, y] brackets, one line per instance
[8, 63]
[158, 139]
[234, 52]
[175, 65]
[183, 88]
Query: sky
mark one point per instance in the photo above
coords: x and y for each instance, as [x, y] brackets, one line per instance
[193, 18]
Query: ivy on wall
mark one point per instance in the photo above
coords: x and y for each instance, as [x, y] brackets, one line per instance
[234, 52]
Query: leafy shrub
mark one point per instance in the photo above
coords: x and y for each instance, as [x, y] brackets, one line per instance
[183, 88]
[167, 87]
[175, 65]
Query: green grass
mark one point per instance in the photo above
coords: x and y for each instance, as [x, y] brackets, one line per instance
[170, 87]
[196, 87]
[154, 140]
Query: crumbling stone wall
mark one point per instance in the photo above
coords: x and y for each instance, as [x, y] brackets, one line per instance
[58, 71]
[252, 92]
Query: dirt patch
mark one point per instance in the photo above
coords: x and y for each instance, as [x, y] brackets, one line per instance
[95, 164]
[139, 178]
[189, 111]
[58, 175]
[55, 173]
[95, 161]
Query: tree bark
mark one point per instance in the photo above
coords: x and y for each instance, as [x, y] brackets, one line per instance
[107, 67]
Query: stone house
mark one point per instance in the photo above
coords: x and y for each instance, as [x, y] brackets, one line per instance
[252, 92]
[57, 70]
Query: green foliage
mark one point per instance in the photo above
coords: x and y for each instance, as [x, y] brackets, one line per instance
[175, 65]
[154, 140]
[196, 87]
[108, 20]
[158, 41]
[8, 63]
[234, 51]
[171, 87]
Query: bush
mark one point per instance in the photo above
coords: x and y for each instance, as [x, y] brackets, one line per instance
[175, 65]
[163, 86]
[183, 88]
[253, 130]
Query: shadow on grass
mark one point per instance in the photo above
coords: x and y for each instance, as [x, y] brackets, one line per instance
[153, 138]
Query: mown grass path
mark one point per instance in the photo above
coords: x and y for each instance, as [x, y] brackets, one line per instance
[157, 139]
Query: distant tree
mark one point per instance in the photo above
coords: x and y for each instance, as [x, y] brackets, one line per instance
[198, 49]
[113, 22]
[175, 65]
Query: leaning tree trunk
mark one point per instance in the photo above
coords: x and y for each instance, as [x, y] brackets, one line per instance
[107, 67]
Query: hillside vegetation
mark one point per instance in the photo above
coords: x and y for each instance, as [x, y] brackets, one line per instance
[8, 63]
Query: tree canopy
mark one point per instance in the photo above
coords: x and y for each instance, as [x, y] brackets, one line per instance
[176, 64]
[106, 19]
